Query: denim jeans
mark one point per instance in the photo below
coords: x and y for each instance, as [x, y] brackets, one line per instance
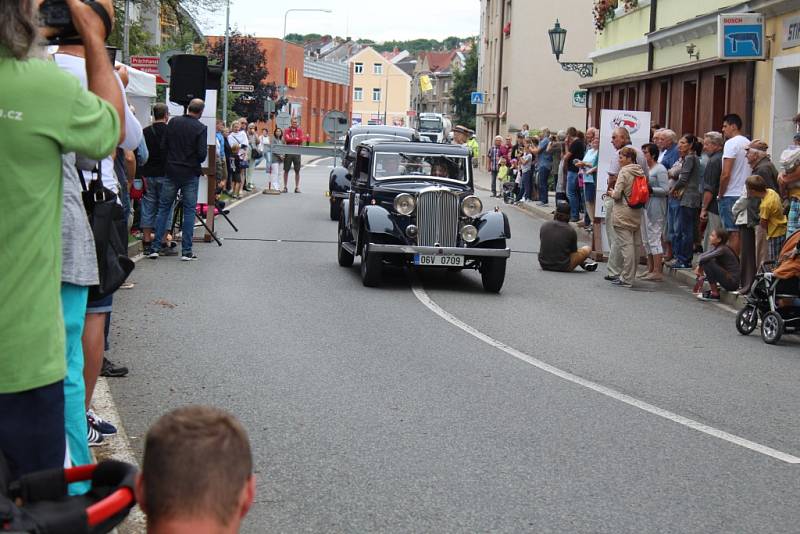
[673, 213]
[494, 183]
[683, 245]
[188, 188]
[153, 187]
[544, 178]
[589, 193]
[573, 196]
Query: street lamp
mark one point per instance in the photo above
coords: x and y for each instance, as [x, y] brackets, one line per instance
[558, 37]
[283, 46]
[225, 64]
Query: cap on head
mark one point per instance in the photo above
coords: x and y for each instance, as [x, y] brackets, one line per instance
[758, 144]
[461, 129]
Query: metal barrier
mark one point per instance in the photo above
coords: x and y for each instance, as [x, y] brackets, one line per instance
[332, 151]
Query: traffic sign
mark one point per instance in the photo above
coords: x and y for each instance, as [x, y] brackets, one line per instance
[283, 119]
[334, 123]
[241, 88]
[579, 98]
[477, 97]
[163, 63]
[148, 64]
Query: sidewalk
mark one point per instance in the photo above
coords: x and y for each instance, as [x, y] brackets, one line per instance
[483, 180]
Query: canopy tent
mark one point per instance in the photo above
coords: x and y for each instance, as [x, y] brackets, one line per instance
[140, 92]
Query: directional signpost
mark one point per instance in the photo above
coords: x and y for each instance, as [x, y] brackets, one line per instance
[283, 119]
[334, 124]
[241, 88]
[477, 97]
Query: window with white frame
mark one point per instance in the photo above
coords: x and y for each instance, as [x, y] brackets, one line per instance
[376, 94]
[358, 94]
[377, 68]
[359, 68]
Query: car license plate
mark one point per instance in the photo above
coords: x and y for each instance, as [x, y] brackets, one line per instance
[438, 260]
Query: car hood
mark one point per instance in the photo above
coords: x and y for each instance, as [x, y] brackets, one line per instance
[415, 186]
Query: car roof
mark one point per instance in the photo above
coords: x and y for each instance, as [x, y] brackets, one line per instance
[419, 148]
[380, 129]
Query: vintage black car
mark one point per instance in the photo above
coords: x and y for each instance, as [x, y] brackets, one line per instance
[414, 204]
[340, 175]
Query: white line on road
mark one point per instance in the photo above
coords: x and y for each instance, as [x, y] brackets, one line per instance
[425, 299]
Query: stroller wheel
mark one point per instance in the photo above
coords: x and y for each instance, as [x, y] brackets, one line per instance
[746, 320]
[771, 328]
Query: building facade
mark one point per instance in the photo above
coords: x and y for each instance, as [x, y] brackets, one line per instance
[381, 90]
[439, 67]
[517, 72]
[663, 56]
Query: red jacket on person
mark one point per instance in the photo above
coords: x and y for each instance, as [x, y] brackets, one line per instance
[293, 136]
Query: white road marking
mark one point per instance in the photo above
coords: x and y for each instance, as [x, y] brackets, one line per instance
[425, 299]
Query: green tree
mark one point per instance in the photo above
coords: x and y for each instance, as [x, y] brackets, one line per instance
[247, 65]
[465, 81]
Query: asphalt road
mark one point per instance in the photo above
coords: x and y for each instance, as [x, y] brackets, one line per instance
[367, 412]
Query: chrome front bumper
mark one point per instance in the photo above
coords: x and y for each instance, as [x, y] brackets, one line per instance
[442, 251]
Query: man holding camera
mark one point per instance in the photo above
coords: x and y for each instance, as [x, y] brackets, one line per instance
[45, 113]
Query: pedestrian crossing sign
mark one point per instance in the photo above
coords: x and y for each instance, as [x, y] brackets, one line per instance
[477, 97]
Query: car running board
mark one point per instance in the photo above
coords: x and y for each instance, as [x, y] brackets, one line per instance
[350, 248]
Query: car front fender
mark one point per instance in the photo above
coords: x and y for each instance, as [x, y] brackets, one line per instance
[492, 225]
[378, 220]
[339, 182]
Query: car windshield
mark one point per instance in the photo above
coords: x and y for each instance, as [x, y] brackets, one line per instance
[430, 125]
[398, 164]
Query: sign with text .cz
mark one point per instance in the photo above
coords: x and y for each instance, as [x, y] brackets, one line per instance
[741, 36]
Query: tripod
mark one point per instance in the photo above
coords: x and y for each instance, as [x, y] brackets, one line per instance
[177, 217]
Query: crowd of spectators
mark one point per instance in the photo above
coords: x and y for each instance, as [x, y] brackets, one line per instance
[714, 198]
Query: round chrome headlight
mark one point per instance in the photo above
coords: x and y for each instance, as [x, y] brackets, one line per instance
[469, 233]
[471, 206]
[411, 230]
[404, 204]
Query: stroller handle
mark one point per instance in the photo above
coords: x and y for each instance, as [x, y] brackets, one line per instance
[104, 510]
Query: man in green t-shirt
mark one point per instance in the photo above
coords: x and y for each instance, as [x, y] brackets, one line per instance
[44, 113]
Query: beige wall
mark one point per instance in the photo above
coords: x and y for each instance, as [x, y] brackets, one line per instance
[539, 91]
[399, 88]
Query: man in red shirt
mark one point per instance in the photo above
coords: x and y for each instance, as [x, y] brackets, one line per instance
[292, 136]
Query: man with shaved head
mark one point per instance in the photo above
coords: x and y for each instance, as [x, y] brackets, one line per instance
[186, 146]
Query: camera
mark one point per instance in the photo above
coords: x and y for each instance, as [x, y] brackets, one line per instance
[56, 19]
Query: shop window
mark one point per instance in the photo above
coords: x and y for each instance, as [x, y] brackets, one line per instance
[689, 112]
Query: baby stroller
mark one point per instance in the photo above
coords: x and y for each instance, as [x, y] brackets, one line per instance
[46, 507]
[510, 189]
[774, 296]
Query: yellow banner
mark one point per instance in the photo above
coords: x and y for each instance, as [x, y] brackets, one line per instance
[425, 83]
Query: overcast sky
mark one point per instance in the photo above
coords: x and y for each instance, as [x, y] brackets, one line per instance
[379, 20]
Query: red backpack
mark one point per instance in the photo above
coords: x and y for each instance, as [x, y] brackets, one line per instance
[640, 192]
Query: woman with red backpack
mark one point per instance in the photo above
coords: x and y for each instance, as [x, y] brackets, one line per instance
[627, 219]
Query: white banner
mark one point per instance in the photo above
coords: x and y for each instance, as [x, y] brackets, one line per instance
[638, 124]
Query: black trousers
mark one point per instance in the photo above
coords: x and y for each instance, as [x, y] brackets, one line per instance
[747, 257]
[716, 274]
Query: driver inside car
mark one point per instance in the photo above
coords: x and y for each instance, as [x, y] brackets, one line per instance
[440, 170]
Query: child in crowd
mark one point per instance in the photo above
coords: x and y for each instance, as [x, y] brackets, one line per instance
[502, 171]
[771, 213]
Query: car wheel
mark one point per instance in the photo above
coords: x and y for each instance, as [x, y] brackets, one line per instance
[370, 266]
[493, 274]
[747, 320]
[771, 328]
[336, 206]
[344, 257]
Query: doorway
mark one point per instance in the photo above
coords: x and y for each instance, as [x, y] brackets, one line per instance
[786, 102]
[689, 114]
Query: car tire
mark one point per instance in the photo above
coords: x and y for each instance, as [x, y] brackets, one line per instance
[771, 328]
[370, 266]
[344, 257]
[336, 206]
[747, 320]
[493, 270]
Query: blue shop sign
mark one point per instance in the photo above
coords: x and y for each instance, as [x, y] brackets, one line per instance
[741, 36]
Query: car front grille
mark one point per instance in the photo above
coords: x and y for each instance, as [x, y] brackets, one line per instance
[433, 137]
[437, 218]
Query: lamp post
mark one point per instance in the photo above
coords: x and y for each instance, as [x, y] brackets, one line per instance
[558, 36]
[225, 64]
[283, 44]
